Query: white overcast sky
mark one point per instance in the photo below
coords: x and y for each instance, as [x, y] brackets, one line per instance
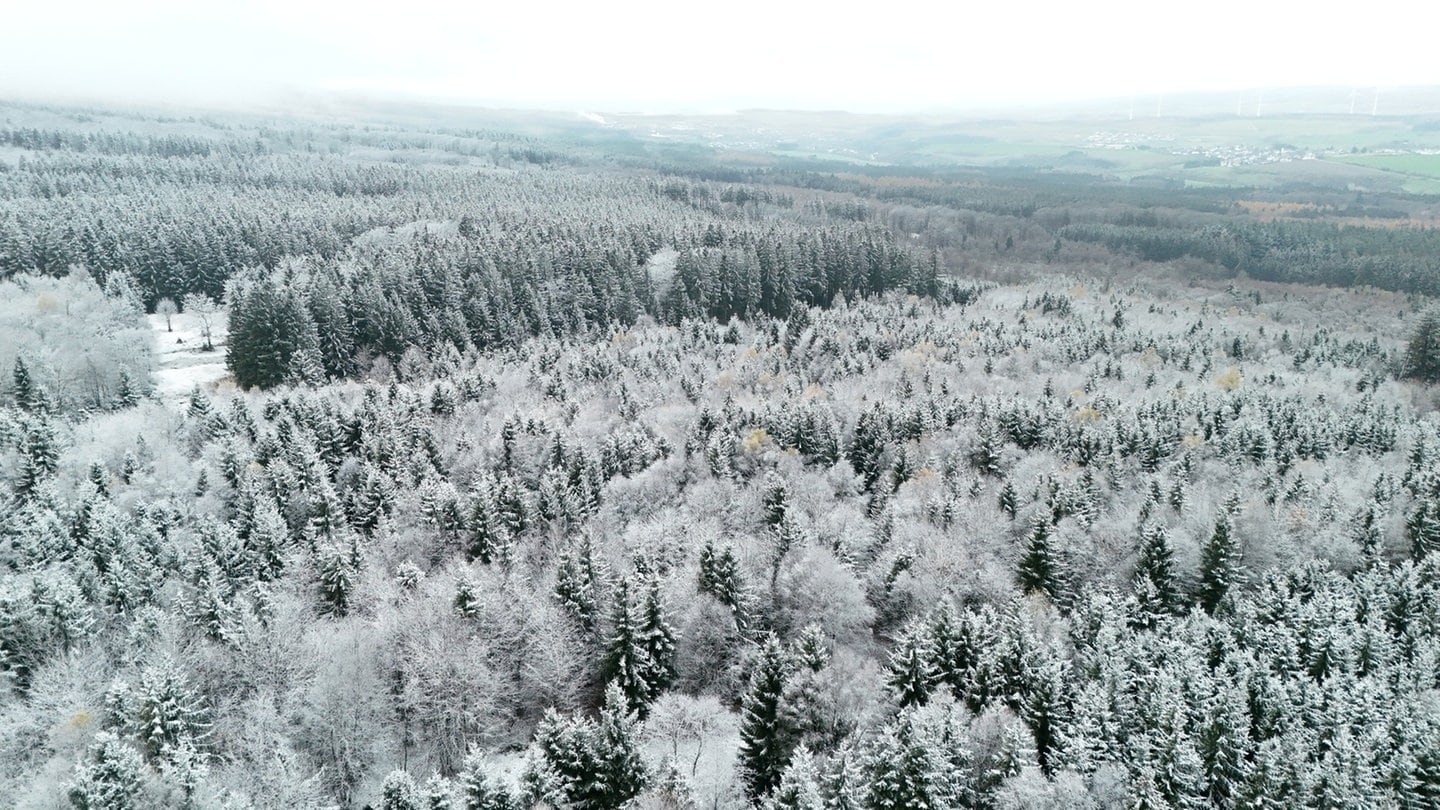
[883, 55]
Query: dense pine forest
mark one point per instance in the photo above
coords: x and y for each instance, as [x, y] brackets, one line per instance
[529, 467]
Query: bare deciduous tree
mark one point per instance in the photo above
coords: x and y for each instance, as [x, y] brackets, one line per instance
[166, 308]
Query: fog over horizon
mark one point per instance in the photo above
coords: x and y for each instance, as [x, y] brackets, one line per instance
[648, 56]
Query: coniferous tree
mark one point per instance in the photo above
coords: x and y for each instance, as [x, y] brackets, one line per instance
[1422, 528]
[912, 673]
[399, 792]
[110, 776]
[799, 787]
[478, 791]
[1041, 566]
[720, 578]
[22, 386]
[1422, 354]
[812, 649]
[626, 665]
[1155, 580]
[766, 741]
[777, 500]
[1218, 565]
[576, 585]
[904, 771]
[1007, 499]
[657, 642]
[39, 457]
[336, 573]
[619, 772]
[167, 714]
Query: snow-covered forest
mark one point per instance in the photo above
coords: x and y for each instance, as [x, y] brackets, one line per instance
[542, 470]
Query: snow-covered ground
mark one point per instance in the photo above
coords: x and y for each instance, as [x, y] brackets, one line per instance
[180, 363]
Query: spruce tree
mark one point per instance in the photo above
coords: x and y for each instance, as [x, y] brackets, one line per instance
[799, 787]
[478, 791]
[1422, 354]
[1007, 499]
[336, 573]
[576, 586]
[766, 741]
[22, 386]
[167, 713]
[400, 793]
[657, 642]
[1040, 567]
[39, 457]
[911, 670]
[812, 648]
[110, 776]
[904, 772]
[1219, 563]
[1155, 581]
[1422, 528]
[619, 773]
[776, 500]
[626, 665]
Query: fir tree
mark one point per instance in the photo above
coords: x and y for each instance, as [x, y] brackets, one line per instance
[1422, 528]
[39, 457]
[843, 781]
[776, 501]
[167, 714]
[720, 577]
[1007, 500]
[576, 585]
[812, 648]
[799, 787]
[1422, 354]
[903, 772]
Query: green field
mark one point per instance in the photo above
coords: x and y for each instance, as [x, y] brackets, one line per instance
[1415, 164]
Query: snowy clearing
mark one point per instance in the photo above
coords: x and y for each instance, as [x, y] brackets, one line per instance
[180, 362]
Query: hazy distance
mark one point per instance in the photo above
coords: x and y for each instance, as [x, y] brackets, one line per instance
[904, 56]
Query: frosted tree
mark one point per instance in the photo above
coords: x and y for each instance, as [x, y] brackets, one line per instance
[110, 776]
[766, 740]
[480, 791]
[1155, 579]
[1041, 565]
[399, 792]
[1219, 559]
[911, 670]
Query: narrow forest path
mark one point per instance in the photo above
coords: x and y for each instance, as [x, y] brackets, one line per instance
[180, 363]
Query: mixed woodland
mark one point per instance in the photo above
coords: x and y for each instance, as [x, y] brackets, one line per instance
[550, 471]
